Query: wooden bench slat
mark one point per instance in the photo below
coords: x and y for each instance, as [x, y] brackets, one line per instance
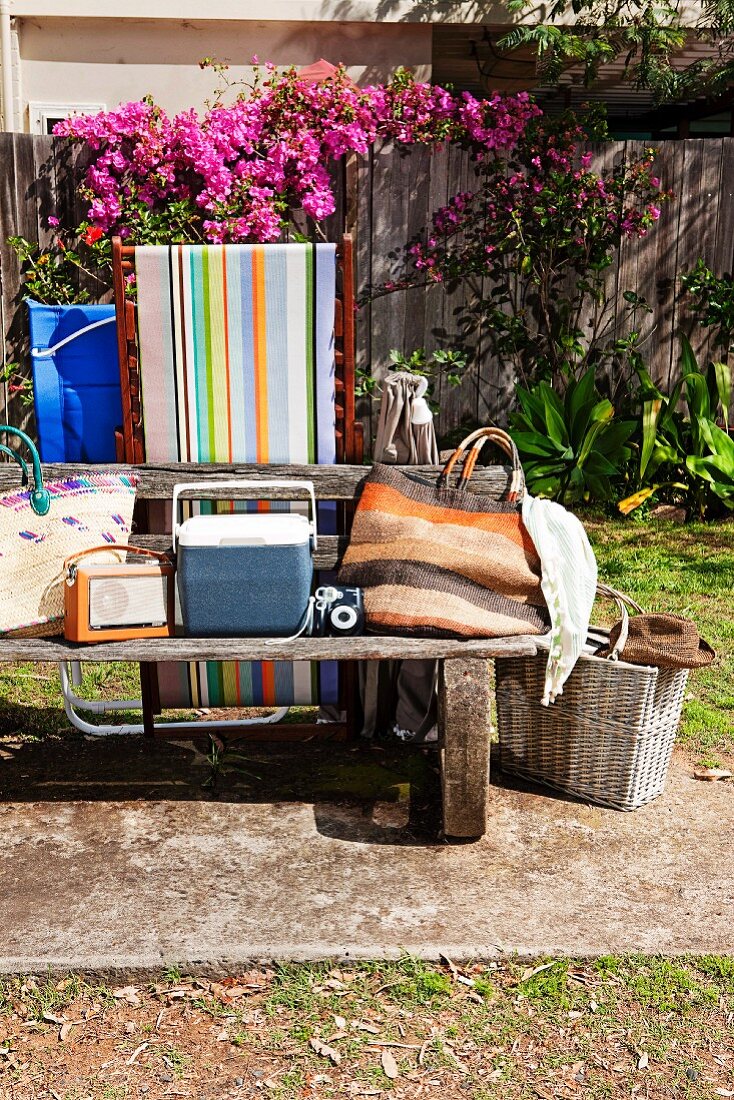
[328, 554]
[366, 648]
[156, 481]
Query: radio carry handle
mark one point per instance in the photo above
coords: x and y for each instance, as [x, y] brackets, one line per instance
[70, 563]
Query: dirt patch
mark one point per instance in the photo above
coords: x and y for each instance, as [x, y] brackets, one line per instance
[614, 1028]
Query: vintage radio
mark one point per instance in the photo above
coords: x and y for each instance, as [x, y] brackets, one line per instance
[114, 601]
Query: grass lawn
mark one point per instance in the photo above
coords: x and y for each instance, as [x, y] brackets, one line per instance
[613, 1028]
[688, 570]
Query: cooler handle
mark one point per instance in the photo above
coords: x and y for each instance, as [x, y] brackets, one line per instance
[202, 487]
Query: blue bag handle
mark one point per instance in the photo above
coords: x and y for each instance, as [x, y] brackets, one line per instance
[40, 499]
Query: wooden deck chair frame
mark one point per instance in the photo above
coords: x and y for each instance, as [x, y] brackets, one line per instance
[130, 446]
[349, 449]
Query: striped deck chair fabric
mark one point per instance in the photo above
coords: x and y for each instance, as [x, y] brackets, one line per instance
[236, 350]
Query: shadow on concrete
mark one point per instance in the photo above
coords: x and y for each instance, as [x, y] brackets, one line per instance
[364, 792]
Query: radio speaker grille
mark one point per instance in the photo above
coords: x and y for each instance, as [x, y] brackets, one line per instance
[128, 601]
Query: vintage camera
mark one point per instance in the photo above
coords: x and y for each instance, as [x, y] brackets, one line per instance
[338, 611]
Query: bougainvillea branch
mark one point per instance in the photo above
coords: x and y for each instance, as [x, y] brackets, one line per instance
[536, 235]
[236, 173]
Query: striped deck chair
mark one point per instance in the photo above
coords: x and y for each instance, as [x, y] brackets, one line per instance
[237, 353]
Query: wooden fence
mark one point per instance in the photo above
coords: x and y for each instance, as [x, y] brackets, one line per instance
[398, 192]
[385, 201]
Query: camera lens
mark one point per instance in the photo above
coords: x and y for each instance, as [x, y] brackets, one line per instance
[343, 618]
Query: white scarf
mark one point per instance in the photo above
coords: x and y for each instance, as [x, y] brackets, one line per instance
[568, 582]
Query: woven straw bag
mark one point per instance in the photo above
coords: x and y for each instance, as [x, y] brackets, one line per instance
[437, 560]
[608, 738]
[43, 525]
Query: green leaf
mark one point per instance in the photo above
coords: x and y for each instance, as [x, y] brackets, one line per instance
[588, 442]
[603, 411]
[663, 452]
[580, 400]
[722, 380]
[544, 486]
[697, 397]
[596, 464]
[688, 362]
[699, 467]
[555, 423]
[648, 389]
[544, 469]
[723, 447]
[533, 407]
[600, 487]
[533, 443]
[650, 414]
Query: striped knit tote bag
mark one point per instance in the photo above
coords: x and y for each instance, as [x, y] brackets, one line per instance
[439, 560]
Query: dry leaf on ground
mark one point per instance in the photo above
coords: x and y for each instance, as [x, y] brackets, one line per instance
[325, 1050]
[531, 971]
[389, 1065]
[133, 1057]
[127, 993]
[712, 774]
[50, 1018]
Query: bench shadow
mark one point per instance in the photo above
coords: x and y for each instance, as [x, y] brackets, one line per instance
[364, 792]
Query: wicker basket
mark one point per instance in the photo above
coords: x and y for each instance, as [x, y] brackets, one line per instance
[608, 739]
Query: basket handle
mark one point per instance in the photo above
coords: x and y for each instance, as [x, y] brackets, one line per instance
[622, 601]
[476, 440]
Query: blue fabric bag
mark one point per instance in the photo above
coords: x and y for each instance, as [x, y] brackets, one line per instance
[76, 381]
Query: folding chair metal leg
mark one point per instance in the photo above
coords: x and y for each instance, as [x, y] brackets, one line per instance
[93, 706]
[72, 703]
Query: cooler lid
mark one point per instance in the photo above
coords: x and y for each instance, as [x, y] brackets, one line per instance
[246, 529]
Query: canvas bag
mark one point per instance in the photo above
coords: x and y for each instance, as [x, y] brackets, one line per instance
[438, 560]
[40, 526]
[401, 695]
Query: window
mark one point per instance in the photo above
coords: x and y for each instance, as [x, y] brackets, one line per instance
[44, 116]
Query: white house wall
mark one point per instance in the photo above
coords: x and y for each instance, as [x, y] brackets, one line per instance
[92, 61]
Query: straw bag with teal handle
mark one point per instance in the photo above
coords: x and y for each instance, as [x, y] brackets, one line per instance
[42, 523]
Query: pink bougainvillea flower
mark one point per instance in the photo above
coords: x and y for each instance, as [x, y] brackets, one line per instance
[235, 173]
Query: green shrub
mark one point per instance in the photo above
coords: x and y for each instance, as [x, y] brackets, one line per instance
[572, 448]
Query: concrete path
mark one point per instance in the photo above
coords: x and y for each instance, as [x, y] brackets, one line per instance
[114, 858]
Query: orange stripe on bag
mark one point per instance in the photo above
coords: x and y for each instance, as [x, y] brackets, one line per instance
[383, 498]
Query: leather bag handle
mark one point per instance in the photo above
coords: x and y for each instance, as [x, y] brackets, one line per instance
[475, 441]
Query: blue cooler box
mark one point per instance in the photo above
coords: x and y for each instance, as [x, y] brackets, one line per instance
[244, 574]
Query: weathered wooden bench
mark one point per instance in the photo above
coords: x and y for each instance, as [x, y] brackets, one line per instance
[464, 682]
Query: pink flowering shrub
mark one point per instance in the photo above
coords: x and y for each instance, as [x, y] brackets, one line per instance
[536, 234]
[236, 173]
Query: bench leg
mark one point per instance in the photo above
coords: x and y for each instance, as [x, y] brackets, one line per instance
[464, 727]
